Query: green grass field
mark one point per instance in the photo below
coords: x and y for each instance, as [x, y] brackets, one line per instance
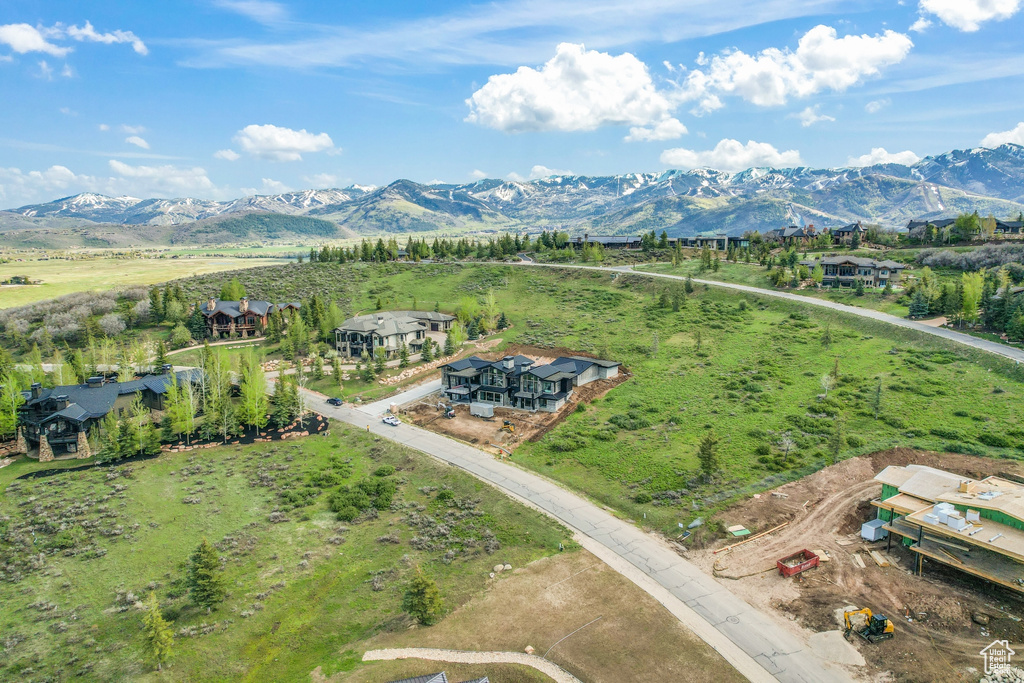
[61, 277]
[303, 592]
[754, 382]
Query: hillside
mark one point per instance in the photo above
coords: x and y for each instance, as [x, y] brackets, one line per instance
[681, 202]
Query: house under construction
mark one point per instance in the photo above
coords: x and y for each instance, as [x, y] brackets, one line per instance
[974, 526]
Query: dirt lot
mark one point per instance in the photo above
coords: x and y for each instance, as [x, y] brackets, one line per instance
[485, 432]
[936, 639]
[635, 639]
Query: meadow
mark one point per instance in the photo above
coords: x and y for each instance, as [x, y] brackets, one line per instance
[60, 276]
[304, 588]
[748, 369]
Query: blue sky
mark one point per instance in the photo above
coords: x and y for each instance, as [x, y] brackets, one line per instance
[221, 98]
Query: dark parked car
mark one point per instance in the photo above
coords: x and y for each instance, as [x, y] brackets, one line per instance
[334, 401]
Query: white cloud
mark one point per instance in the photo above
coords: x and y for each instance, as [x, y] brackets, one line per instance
[281, 144]
[322, 180]
[23, 38]
[822, 61]
[477, 174]
[103, 127]
[89, 34]
[968, 15]
[137, 141]
[45, 70]
[1014, 135]
[810, 116]
[669, 129]
[132, 130]
[539, 171]
[227, 155]
[879, 155]
[261, 11]
[731, 155]
[576, 90]
[157, 180]
[19, 188]
[875, 106]
[68, 111]
[271, 186]
[921, 25]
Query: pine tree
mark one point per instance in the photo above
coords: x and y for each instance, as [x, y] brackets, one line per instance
[835, 439]
[336, 369]
[157, 632]
[423, 599]
[449, 344]
[427, 350]
[380, 362]
[318, 367]
[473, 331]
[203, 577]
[161, 354]
[502, 321]
[707, 454]
[919, 305]
[403, 356]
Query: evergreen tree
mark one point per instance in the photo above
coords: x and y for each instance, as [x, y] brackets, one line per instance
[10, 399]
[919, 305]
[336, 369]
[197, 324]
[366, 371]
[159, 638]
[156, 304]
[427, 350]
[688, 285]
[835, 439]
[254, 405]
[707, 454]
[859, 287]
[379, 360]
[204, 578]
[423, 599]
[449, 344]
[876, 399]
[161, 354]
[403, 356]
[318, 366]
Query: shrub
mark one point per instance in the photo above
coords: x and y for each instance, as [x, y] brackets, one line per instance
[994, 440]
[643, 497]
[384, 471]
[631, 421]
[948, 433]
[445, 495]
[854, 441]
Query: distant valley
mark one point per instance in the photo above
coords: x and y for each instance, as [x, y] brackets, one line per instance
[679, 202]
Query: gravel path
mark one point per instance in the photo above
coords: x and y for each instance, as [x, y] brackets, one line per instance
[557, 673]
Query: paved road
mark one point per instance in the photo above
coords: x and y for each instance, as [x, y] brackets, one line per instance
[958, 337]
[759, 646]
[408, 396]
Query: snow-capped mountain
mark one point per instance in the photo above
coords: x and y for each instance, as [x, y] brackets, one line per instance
[681, 202]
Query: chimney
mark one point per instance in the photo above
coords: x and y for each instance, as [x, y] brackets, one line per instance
[243, 304]
[211, 304]
[94, 382]
[37, 389]
[508, 362]
[62, 401]
[166, 368]
[380, 320]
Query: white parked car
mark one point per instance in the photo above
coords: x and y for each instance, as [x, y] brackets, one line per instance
[391, 420]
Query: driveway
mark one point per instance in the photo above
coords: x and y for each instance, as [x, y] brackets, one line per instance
[407, 396]
[951, 335]
[759, 645]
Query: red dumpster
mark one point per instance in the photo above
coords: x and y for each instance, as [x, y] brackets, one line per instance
[792, 565]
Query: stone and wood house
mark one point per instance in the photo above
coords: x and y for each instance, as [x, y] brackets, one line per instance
[243, 318]
[847, 270]
[57, 421]
[515, 381]
[388, 330]
[844, 234]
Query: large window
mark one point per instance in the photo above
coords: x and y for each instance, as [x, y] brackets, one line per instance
[492, 378]
[531, 384]
[549, 387]
[489, 397]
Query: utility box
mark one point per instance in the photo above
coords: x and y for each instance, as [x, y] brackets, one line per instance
[873, 531]
[481, 410]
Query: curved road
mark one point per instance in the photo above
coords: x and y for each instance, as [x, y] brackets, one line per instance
[958, 337]
[759, 645]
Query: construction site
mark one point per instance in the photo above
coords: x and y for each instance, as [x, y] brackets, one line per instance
[503, 430]
[938, 594]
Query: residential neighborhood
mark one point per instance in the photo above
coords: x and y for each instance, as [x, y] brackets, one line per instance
[389, 331]
[847, 271]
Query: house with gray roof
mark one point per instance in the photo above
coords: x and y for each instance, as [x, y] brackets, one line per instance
[57, 421]
[243, 318]
[845, 233]
[846, 271]
[388, 330]
[441, 677]
[794, 234]
[517, 382]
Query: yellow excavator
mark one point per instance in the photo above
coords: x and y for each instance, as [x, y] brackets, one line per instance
[876, 627]
[509, 427]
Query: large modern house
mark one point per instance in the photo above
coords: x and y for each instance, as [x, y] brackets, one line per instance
[847, 270]
[242, 318]
[514, 381]
[793, 234]
[846, 232]
[972, 526]
[388, 330]
[57, 421]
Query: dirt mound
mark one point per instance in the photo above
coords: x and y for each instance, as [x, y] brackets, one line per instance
[936, 639]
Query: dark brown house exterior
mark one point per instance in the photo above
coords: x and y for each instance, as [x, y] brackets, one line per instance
[242, 318]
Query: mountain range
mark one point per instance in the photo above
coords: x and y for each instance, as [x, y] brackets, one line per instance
[680, 202]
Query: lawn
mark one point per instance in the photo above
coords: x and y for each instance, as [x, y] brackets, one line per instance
[61, 276]
[304, 588]
[754, 382]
